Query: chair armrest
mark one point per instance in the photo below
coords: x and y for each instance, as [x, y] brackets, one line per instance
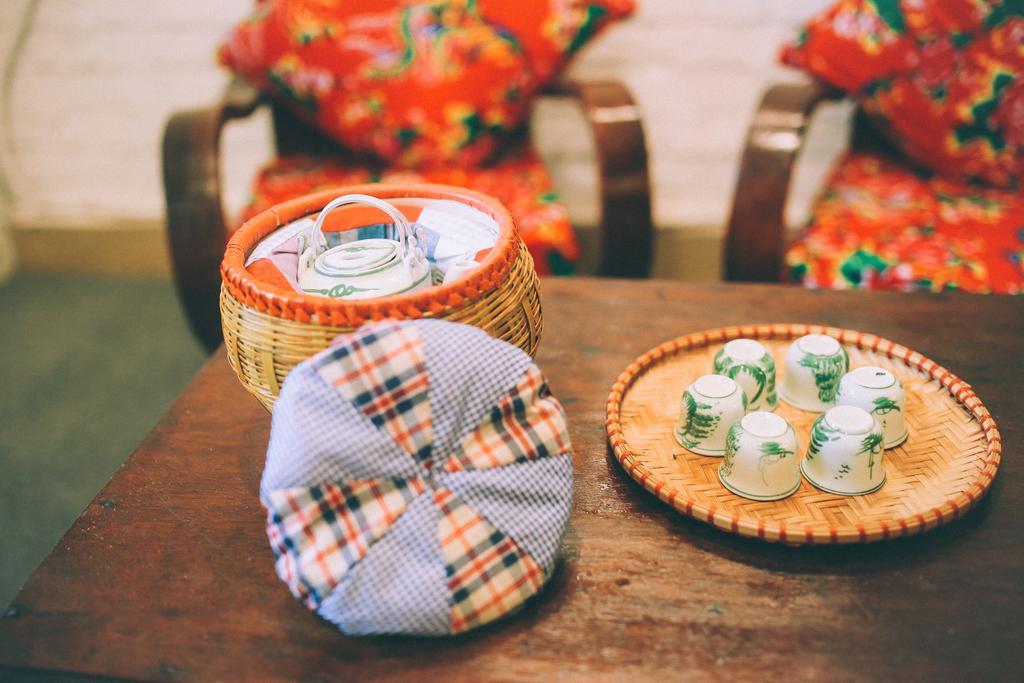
[196, 230]
[626, 231]
[756, 232]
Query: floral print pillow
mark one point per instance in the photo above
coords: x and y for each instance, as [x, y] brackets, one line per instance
[415, 83]
[881, 225]
[944, 79]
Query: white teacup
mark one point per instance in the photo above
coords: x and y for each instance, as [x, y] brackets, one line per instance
[753, 368]
[761, 461]
[814, 365]
[710, 406]
[877, 391]
[845, 452]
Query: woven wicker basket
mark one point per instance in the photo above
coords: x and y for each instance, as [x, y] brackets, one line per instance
[269, 329]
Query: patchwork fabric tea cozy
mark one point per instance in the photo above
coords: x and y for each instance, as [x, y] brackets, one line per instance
[418, 479]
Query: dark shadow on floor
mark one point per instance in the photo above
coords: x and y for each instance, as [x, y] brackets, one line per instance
[87, 365]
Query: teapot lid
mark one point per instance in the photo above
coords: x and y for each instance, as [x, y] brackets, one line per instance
[365, 257]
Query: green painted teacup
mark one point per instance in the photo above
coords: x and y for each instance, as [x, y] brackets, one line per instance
[845, 452]
[814, 365]
[879, 392]
[748, 363]
[709, 407]
[761, 458]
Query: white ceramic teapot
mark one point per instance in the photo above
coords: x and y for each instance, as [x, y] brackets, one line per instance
[365, 268]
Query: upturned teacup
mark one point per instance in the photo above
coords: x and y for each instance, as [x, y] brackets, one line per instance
[814, 365]
[845, 452]
[753, 368]
[879, 392]
[710, 406]
[761, 460]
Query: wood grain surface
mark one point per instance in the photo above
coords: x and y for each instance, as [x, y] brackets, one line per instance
[167, 575]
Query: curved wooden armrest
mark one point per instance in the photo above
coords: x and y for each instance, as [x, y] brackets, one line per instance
[755, 236]
[626, 232]
[196, 230]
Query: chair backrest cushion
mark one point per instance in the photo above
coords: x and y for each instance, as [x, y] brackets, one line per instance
[943, 79]
[415, 83]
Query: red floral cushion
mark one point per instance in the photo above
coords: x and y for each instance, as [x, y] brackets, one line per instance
[943, 78]
[519, 180]
[415, 82]
[880, 225]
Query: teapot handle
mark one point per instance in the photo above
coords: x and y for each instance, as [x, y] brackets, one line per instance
[405, 235]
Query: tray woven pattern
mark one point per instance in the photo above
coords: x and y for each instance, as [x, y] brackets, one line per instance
[268, 330]
[940, 472]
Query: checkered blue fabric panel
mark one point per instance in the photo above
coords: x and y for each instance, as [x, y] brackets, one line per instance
[401, 585]
[310, 418]
[418, 479]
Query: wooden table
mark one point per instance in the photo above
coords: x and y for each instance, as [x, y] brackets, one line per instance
[168, 575]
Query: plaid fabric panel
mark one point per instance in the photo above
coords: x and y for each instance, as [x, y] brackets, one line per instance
[318, 533]
[381, 370]
[529, 501]
[527, 423]
[488, 573]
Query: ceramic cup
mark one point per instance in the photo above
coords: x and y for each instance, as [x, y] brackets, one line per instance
[710, 405]
[845, 452]
[814, 365]
[877, 391]
[753, 368]
[761, 460]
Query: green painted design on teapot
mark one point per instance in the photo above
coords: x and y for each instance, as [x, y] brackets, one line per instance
[339, 290]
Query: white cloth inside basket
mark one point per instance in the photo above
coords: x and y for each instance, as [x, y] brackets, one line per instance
[452, 232]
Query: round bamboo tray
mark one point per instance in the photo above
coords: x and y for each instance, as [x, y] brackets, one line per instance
[942, 470]
[268, 329]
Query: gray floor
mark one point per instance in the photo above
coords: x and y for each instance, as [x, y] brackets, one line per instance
[87, 365]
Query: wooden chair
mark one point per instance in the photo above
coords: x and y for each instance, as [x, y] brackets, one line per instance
[755, 239]
[198, 232]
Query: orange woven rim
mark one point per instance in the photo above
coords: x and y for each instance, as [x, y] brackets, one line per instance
[292, 305]
[949, 510]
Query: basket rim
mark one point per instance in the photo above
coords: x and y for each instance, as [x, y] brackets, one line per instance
[292, 305]
[757, 527]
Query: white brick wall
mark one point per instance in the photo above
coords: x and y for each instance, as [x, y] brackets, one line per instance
[96, 79]
[698, 69]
